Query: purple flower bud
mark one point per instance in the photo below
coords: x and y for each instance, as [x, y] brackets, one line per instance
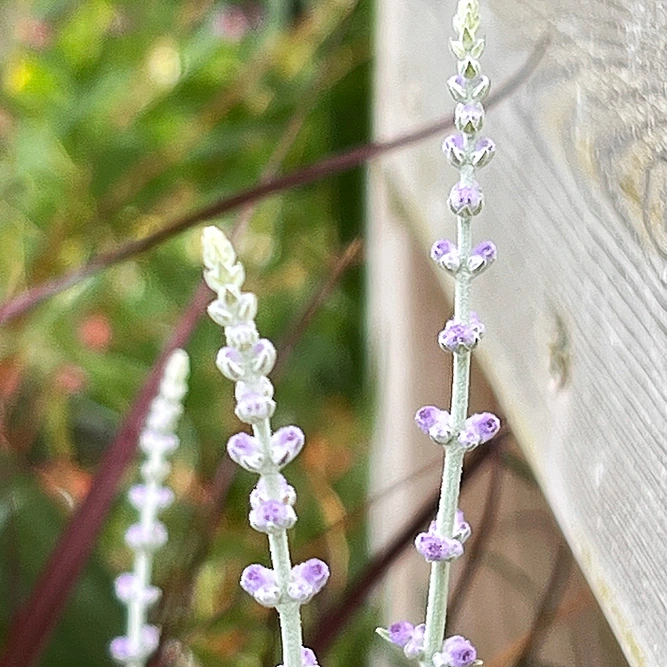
[435, 548]
[128, 588]
[253, 408]
[260, 582]
[482, 256]
[263, 354]
[153, 442]
[446, 255]
[457, 651]
[242, 336]
[260, 494]
[400, 633]
[453, 148]
[441, 431]
[286, 443]
[484, 151]
[307, 658]
[123, 651]
[159, 497]
[272, 517]
[307, 579]
[459, 337]
[462, 528]
[478, 429]
[245, 450]
[415, 646]
[426, 417]
[469, 118]
[466, 200]
[146, 538]
[458, 87]
[230, 363]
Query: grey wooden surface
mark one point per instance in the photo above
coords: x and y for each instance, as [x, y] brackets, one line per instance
[576, 306]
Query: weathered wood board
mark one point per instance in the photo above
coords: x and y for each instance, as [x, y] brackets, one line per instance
[576, 306]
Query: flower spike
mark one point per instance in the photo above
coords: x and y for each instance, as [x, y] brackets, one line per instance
[247, 360]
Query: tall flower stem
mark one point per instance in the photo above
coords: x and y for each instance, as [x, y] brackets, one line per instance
[454, 430]
[247, 360]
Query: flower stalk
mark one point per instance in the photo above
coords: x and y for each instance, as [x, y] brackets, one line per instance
[247, 360]
[157, 441]
[454, 430]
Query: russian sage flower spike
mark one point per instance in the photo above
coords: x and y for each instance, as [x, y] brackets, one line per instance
[457, 432]
[157, 441]
[247, 360]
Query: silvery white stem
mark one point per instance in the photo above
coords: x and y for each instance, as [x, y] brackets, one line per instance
[157, 440]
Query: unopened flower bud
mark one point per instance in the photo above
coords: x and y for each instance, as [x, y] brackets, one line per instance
[230, 363]
[466, 200]
[469, 118]
[446, 255]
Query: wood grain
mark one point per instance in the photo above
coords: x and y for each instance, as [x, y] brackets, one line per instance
[576, 306]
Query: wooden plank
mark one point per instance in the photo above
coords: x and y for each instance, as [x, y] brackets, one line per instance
[576, 306]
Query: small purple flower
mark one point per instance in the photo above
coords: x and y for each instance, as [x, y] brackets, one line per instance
[123, 651]
[435, 548]
[400, 633]
[462, 528]
[481, 257]
[128, 588]
[458, 87]
[454, 149]
[307, 658]
[459, 337]
[253, 408]
[484, 151]
[263, 355]
[260, 582]
[146, 538]
[245, 450]
[272, 516]
[415, 646]
[426, 417]
[307, 579]
[457, 651]
[441, 431]
[469, 118]
[260, 494]
[466, 200]
[286, 443]
[478, 429]
[160, 497]
[230, 363]
[446, 255]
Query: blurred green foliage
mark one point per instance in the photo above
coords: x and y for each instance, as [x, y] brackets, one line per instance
[116, 117]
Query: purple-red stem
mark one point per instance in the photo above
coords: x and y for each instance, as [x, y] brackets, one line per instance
[27, 300]
[37, 617]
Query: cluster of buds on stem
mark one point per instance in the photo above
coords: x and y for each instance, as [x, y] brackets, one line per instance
[157, 441]
[247, 360]
[458, 433]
